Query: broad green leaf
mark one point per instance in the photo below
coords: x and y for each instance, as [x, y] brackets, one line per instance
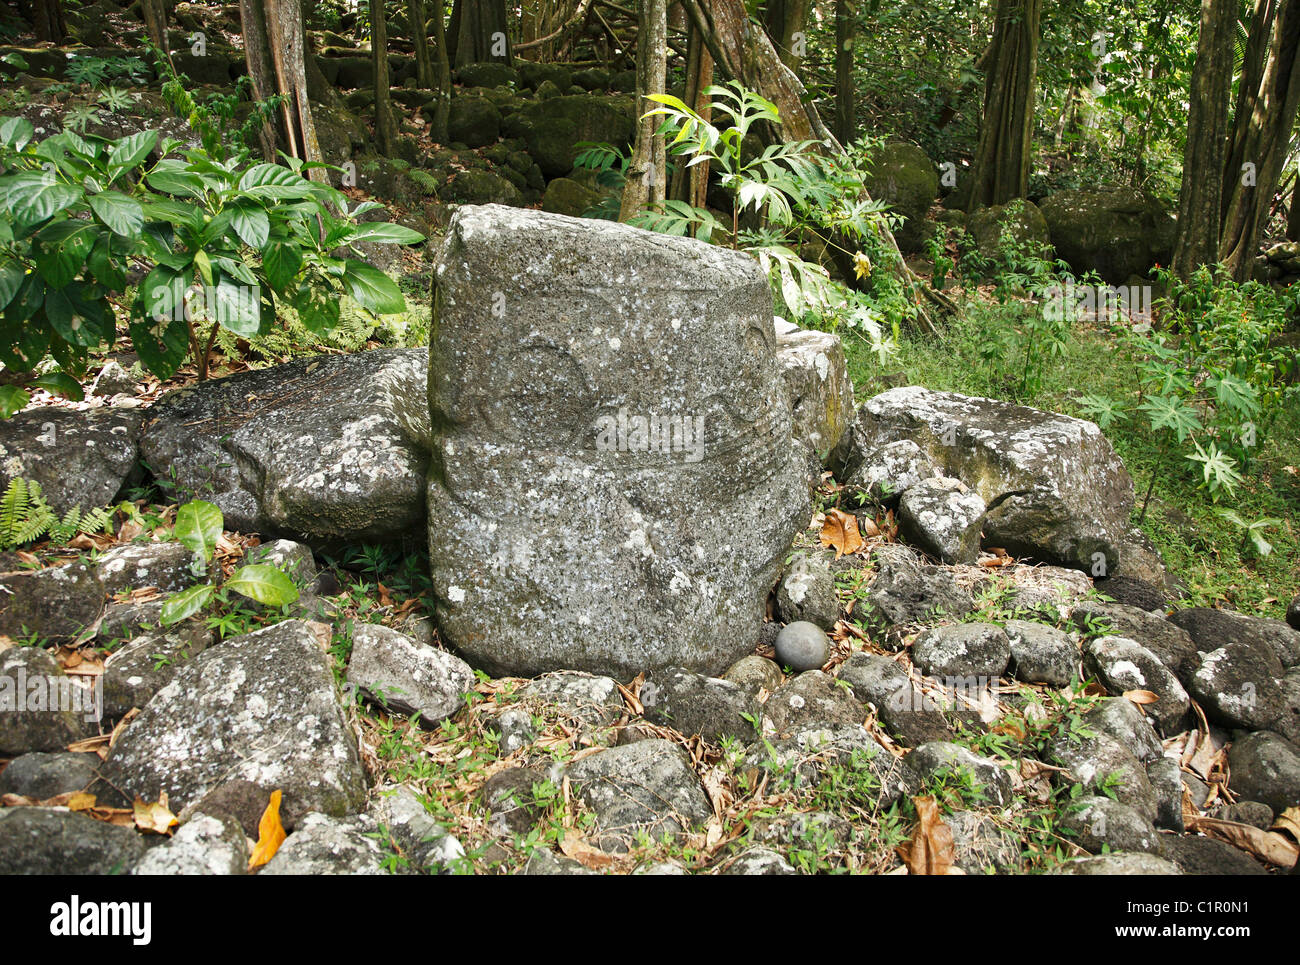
[122, 214]
[186, 603]
[264, 583]
[11, 277]
[60, 383]
[12, 400]
[162, 344]
[281, 262]
[129, 151]
[384, 233]
[42, 201]
[251, 224]
[78, 316]
[16, 132]
[64, 247]
[372, 289]
[198, 527]
[237, 306]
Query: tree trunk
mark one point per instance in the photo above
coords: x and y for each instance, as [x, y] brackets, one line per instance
[274, 50]
[691, 184]
[385, 123]
[1001, 167]
[420, 41]
[647, 177]
[846, 122]
[155, 24]
[442, 104]
[1200, 200]
[47, 18]
[1268, 98]
[480, 32]
[784, 21]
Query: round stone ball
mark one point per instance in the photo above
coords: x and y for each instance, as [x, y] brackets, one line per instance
[802, 646]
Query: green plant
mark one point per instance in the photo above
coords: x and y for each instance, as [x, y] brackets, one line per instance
[219, 243]
[198, 526]
[25, 517]
[1252, 533]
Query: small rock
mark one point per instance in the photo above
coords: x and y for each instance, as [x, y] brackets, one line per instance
[1166, 779]
[405, 677]
[963, 650]
[543, 862]
[295, 560]
[1168, 641]
[41, 708]
[54, 604]
[511, 800]
[887, 472]
[592, 700]
[807, 593]
[660, 868]
[1100, 822]
[168, 566]
[123, 621]
[1041, 654]
[812, 699]
[54, 841]
[1196, 855]
[692, 704]
[806, 756]
[137, 671]
[1133, 592]
[1266, 768]
[514, 729]
[427, 844]
[1122, 665]
[1288, 722]
[1123, 720]
[41, 776]
[1101, 761]
[1212, 629]
[1117, 864]
[802, 646]
[758, 861]
[644, 788]
[112, 380]
[1238, 685]
[1293, 613]
[938, 759]
[1255, 813]
[901, 707]
[754, 673]
[981, 845]
[203, 845]
[817, 831]
[324, 845]
[907, 591]
[943, 517]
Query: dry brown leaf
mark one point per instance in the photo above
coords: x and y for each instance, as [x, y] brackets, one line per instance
[580, 851]
[840, 531]
[1141, 697]
[930, 852]
[81, 801]
[156, 818]
[870, 528]
[1265, 845]
[270, 834]
[1289, 822]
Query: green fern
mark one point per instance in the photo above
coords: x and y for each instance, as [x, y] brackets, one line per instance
[25, 517]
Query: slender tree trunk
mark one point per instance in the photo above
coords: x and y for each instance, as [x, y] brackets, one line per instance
[647, 176]
[1293, 216]
[846, 122]
[691, 184]
[155, 24]
[385, 123]
[784, 21]
[481, 30]
[1200, 200]
[420, 41]
[1268, 98]
[442, 105]
[48, 20]
[1001, 168]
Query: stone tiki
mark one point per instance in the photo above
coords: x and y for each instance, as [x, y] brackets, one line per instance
[613, 483]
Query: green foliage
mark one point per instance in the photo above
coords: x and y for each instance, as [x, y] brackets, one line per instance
[222, 243]
[25, 517]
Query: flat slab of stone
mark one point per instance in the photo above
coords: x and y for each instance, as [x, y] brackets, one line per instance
[604, 496]
[817, 379]
[330, 448]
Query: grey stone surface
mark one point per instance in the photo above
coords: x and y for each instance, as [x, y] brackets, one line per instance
[1212, 629]
[543, 862]
[514, 729]
[692, 703]
[167, 565]
[1099, 822]
[139, 669]
[817, 385]
[41, 708]
[325, 845]
[1255, 813]
[812, 698]
[980, 845]
[1266, 768]
[203, 845]
[1041, 654]
[807, 592]
[1239, 685]
[511, 800]
[900, 706]
[805, 757]
[1288, 721]
[80, 458]
[643, 788]
[588, 698]
[41, 775]
[963, 650]
[753, 673]
[406, 677]
[1168, 641]
[943, 517]
[1121, 665]
[1196, 855]
[1058, 490]
[427, 844]
[329, 448]
[1123, 720]
[55, 603]
[55, 841]
[261, 709]
[937, 759]
[546, 499]
[885, 473]
[801, 646]
[907, 591]
[1101, 761]
[758, 861]
[1293, 613]
[1117, 864]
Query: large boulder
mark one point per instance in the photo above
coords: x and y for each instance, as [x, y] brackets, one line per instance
[473, 121]
[333, 448]
[594, 468]
[1057, 491]
[553, 128]
[903, 177]
[261, 711]
[81, 459]
[1116, 232]
[817, 379]
[1020, 219]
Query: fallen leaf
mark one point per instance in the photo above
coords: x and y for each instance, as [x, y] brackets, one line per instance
[270, 834]
[155, 817]
[1141, 697]
[1265, 845]
[586, 855]
[930, 852]
[1289, 821]
[81, 801]
[840, 530]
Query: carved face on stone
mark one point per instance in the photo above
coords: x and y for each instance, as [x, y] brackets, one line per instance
[613, 481]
